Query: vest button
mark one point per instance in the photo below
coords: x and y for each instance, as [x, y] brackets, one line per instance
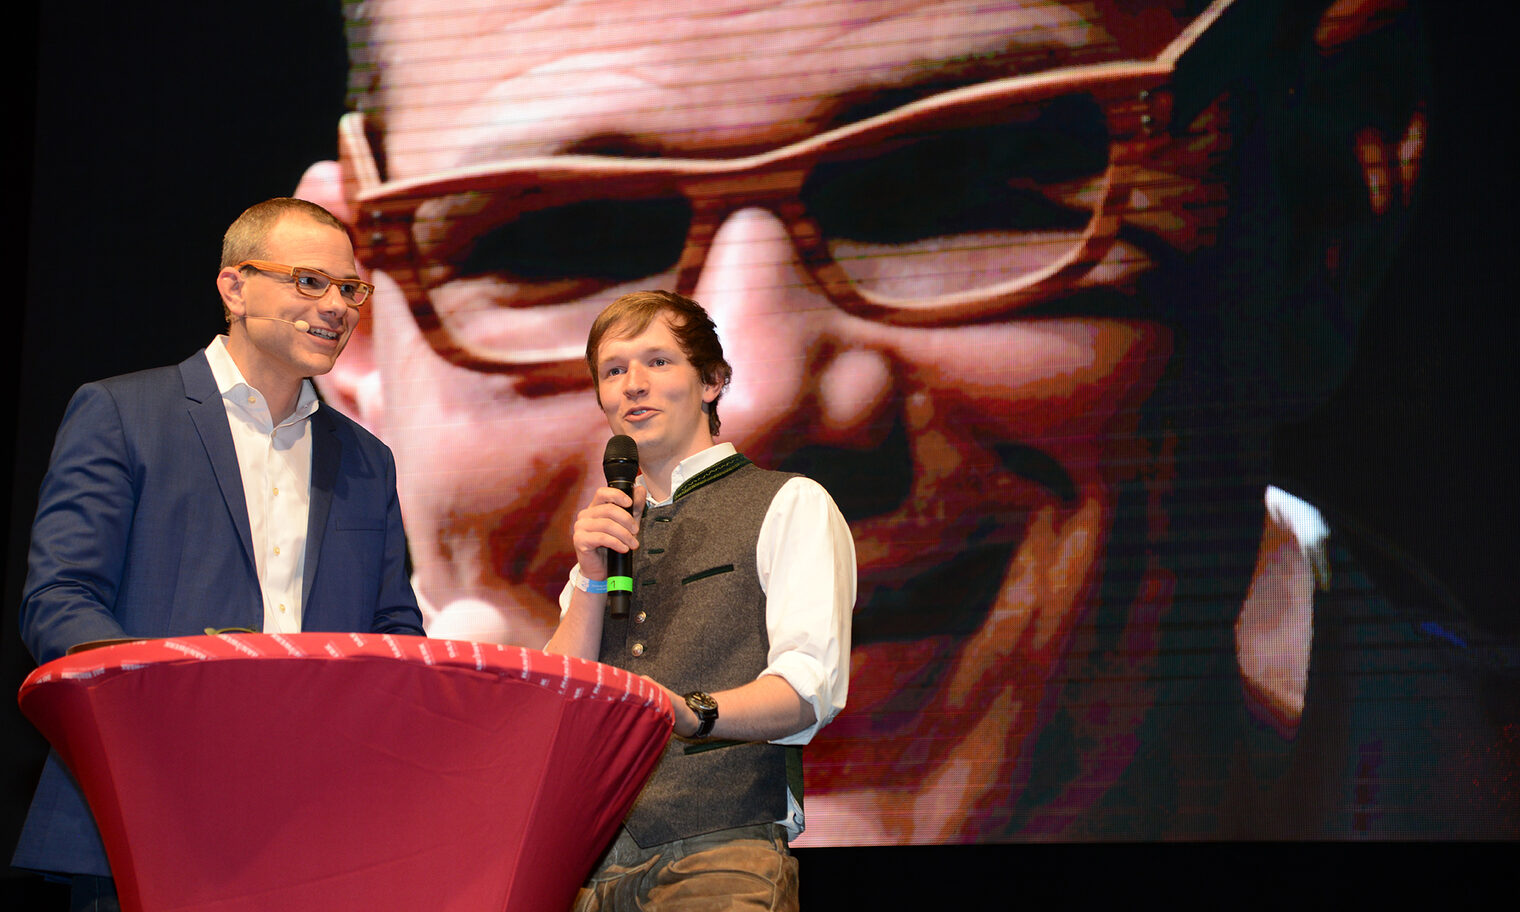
[638, 649]
[640, 618]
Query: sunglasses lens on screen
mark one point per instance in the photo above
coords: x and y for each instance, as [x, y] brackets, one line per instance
[958, 210]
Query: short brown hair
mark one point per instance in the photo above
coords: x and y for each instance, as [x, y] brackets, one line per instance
[694, 330]
[247, 235]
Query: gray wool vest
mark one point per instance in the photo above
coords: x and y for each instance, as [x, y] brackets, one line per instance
[697, 622]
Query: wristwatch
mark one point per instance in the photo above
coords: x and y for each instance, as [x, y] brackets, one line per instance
[706, 709]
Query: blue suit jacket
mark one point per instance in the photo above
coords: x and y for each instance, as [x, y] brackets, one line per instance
[142, 530]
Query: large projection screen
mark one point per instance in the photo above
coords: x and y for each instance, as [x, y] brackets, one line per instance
[1153, 351]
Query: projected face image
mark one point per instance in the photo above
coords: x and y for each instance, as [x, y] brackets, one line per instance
[924, 231]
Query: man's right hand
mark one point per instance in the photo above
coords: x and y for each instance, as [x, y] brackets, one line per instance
[607, 523]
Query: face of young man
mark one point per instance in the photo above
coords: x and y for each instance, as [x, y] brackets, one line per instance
[650, 391]
[980, 465]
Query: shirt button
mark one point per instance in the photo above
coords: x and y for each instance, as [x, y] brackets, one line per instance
[276, 550]
[277, 492]
[638, 649]
[640, 618]
[282, 607]
[253, 400]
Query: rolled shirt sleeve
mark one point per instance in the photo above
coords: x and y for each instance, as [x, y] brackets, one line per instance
[805, 558]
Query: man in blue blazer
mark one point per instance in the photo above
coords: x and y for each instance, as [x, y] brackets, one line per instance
[216, 494]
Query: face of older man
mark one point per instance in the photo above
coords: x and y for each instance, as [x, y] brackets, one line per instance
[982, 457]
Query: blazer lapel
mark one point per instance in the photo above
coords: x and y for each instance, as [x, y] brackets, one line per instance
[210, 418]
[326, 454]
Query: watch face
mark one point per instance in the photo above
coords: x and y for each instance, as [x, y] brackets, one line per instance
[701, 702]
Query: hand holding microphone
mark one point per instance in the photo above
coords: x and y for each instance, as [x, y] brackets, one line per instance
[605, 532]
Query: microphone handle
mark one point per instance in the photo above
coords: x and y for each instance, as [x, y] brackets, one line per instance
[620, 565]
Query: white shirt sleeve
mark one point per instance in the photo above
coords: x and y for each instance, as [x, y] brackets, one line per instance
[806, 562]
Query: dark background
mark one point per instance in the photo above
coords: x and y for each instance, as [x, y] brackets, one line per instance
[146, 128]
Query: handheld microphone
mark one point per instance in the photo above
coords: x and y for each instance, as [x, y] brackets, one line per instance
[620, 464]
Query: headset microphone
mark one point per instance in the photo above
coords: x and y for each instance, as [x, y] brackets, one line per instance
[300, 325]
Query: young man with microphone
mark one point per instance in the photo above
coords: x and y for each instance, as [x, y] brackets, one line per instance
[742, 585]
[216, 494]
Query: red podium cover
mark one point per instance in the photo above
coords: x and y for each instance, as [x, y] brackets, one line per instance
[322, 771]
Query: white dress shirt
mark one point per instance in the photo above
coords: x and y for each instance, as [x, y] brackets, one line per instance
[275, 462]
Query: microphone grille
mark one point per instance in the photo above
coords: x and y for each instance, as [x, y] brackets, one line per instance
[621, 452]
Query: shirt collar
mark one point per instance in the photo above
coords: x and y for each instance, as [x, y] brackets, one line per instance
[693, 465]
[235, 389]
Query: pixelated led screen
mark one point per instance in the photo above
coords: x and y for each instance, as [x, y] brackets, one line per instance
[1024, 285]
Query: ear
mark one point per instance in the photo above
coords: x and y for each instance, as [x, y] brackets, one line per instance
[353, 384]
[230, 284]
[711, 391]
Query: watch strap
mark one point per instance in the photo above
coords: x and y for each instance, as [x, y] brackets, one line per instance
[706, 709]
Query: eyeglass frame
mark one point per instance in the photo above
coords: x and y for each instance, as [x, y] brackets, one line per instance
[1138, 99]
[366, 288]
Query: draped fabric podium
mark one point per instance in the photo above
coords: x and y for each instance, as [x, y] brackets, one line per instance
[322, 771]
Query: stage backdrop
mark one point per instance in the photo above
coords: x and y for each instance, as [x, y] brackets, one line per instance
[1155, 353]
